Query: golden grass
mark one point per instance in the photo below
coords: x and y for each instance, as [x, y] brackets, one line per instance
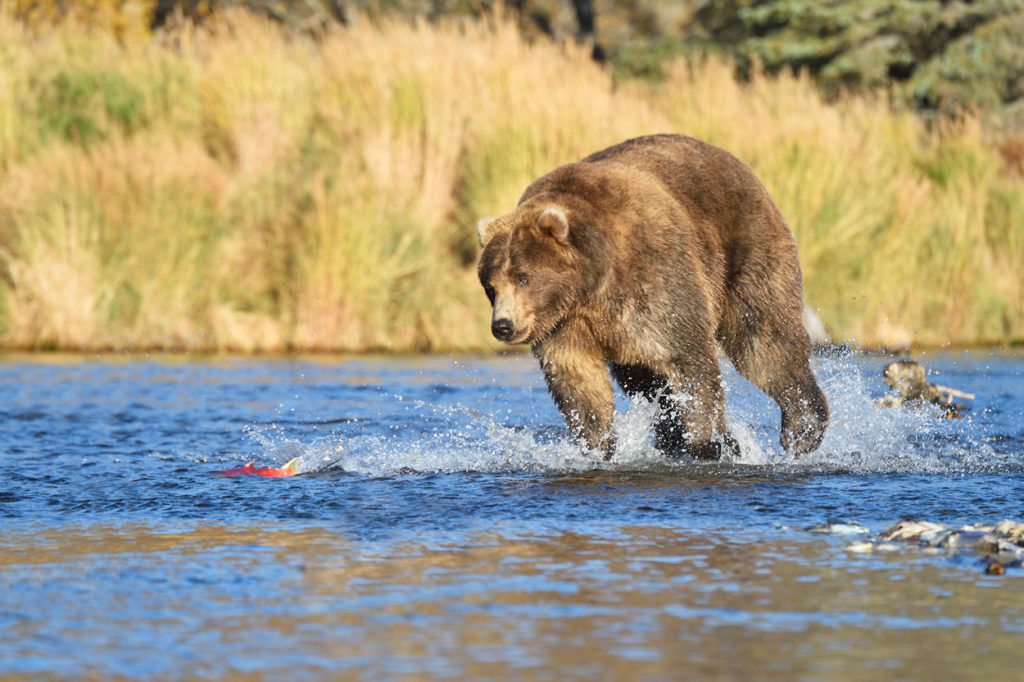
[233, 187]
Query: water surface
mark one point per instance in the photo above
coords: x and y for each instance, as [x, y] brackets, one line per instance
[446, 528]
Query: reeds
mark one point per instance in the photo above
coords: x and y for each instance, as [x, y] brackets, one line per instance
[234, 187]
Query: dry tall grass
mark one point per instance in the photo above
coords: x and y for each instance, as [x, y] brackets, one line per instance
[233, 187]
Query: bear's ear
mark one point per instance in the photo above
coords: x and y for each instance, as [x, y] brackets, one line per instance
[485, 229]
[554, 223]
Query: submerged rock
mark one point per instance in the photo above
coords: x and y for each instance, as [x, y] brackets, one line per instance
[1010, 530]
[834, 527]
[868, 547]
[910, 530]
[1001, 545]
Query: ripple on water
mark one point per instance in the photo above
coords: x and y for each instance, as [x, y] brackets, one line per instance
[449, 528]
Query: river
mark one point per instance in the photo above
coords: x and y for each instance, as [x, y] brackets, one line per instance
[444, 527]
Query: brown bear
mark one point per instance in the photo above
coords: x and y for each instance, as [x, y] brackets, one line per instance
[638, 259]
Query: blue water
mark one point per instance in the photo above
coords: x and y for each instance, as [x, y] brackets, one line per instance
[446, 527]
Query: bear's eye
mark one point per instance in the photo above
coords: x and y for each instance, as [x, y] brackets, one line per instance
[523, 280]
[489, 290]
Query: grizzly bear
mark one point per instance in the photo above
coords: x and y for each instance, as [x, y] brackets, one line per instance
[637, 260]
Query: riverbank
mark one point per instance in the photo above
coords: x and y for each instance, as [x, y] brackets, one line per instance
[237, 188]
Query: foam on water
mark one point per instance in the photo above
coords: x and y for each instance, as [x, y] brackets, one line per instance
[428, 436]
[862, 437]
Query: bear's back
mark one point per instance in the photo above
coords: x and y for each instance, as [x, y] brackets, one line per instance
[709, 182]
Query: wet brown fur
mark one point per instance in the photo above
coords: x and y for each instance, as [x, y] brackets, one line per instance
[672, 245]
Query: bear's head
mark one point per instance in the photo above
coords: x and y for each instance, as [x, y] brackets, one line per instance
[534, 268]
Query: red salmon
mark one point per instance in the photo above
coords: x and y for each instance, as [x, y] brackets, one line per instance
[250, 469]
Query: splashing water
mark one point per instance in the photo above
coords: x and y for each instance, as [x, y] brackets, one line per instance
[519, 431]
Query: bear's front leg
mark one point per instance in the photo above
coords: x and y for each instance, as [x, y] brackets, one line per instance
[578, 381]
[699, 401]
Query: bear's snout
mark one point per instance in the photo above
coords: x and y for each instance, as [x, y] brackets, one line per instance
[503, 329]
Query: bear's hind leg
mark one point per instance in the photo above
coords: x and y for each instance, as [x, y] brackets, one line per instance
[804, 414]
[775, 357]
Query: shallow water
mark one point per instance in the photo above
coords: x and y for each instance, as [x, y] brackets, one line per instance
[446, 528]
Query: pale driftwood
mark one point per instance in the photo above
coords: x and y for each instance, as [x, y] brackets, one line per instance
[953, 393]
[909, 379]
